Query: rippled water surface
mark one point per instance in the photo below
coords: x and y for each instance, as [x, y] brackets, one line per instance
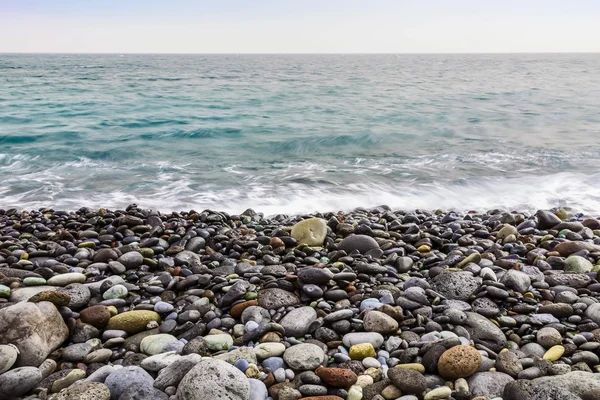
[300, 133]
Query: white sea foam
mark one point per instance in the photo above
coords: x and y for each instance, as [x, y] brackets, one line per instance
[580, 192]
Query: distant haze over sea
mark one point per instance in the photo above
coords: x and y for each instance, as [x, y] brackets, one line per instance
[300, 133]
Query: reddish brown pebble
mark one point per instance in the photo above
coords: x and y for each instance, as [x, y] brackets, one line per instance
[276, 242]
[338, 377]
[459, 362]
[97, 316]
[237, 310]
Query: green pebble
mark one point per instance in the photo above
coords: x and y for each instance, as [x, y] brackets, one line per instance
[4, 291]
[34, 281]
[259, 228]
[325, 260]
[150, 262]
[250, 295]
[87, 245]
[147, 252]
[173, 239]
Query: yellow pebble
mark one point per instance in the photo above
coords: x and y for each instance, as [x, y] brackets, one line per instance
[554, 353]
[361, 351]
[415, 366]
[374, 373]
[529, 295]
[424, 249]
[24, 256]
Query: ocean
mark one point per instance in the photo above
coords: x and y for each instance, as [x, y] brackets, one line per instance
[300, 133]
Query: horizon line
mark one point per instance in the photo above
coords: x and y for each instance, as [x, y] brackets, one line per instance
[299, 53]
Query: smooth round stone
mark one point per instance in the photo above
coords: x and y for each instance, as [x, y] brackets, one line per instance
[132, 321]
[273, 363]
[370, 362]
[115, 292]
[311, 231]
[356, 393]
[98, 356]
[362, 243]
[8, 357]
[131, 260]
[578, 265]
[533, 349]
[376, 321]
[297, 322]
[4, 291]
[305, 356]
[251, 326]
[258, 390]
[219, 342]
[160, 361]
[554, 353]
[370, 304]
[241, 364]
[163, 307]
[268, 350]
[76, 352]
[66, 279]
[549, 337]
[350, 339]
[442, 392]
[361, 351]
[34, 281]
[19, 381]
[121, 379]
[279, 374]
[156, 344]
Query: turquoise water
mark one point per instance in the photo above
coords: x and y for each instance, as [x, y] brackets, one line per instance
[299, 133]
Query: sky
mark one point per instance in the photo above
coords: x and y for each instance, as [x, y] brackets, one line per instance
[299, 26]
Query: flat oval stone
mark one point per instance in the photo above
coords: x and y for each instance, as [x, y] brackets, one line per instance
[350, 339]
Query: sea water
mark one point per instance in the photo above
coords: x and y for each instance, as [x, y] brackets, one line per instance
[300, 133]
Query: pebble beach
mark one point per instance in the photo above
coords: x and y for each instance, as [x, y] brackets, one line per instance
[372, 304]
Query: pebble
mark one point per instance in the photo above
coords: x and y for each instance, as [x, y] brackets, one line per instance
[374, 303]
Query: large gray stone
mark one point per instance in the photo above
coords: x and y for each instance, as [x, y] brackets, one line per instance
[18, 381]
[547, 219]
[577, 382]
[142, 392]
[214, 380]
[516, 280]
[122, 378]
[362, 243]
[456, 285]
[303, 357]
[490, 384]
[37, 329]
[483, 331]
[174, 373]
[8, 356]
[593, 312]
[297, 321]
[273, 298]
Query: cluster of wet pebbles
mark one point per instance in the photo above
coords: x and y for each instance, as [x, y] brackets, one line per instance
[372, 304]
